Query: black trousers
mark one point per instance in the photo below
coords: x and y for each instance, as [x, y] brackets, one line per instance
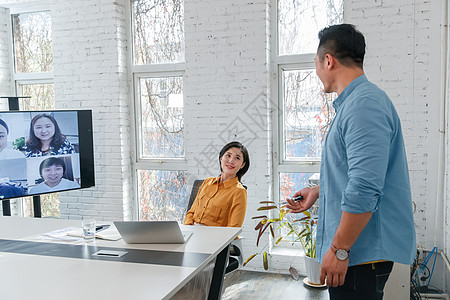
[363, 282]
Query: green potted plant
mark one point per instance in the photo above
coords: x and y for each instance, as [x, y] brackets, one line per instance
[19, 144]
[297, 228]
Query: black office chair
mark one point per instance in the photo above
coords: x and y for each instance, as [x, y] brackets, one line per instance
[236, 257]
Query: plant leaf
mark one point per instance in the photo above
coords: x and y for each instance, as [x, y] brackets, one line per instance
[265, 261]
[271, 230]
[259, 236]
[261, 231]
[267, 225]
[249, 259]
[266, 207]
[279, 239]
[259, 225]
[273, 220]
[307, 213]
[294, 273]
[259, 217]
[308, 238]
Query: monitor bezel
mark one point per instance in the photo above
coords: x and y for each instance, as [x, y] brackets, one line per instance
[86, 148]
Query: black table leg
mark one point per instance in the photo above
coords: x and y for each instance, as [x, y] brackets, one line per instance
[37, 206]
[215, 291]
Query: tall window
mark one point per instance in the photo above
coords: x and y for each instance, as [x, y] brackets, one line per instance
[158, 70]
[33, 77]
[305, 111]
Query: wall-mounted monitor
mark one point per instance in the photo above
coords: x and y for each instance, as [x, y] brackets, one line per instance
[45, 151]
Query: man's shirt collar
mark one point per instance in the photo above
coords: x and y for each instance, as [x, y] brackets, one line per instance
[348, 90]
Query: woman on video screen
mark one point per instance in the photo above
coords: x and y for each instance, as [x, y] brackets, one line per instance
[52, 171]
[46, 138]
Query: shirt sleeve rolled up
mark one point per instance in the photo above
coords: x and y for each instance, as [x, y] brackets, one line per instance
[366, 131]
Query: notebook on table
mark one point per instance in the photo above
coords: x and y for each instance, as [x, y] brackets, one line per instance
[152, 232]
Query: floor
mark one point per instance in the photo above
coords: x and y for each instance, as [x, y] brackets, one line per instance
[258, 285]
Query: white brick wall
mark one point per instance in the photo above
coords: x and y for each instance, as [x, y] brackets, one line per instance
[398, 37]
[89, 49]
[5, 74]
[226, 87]
[90, 72]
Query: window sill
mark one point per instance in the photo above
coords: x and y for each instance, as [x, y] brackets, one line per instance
[287, 251]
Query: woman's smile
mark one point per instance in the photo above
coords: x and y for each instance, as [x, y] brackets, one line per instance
[231, 162]
[44, 129]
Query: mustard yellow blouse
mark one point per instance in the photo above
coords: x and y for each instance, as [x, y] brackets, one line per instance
[219, 204]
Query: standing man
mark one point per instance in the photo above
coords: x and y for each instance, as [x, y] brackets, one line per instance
[365, 208]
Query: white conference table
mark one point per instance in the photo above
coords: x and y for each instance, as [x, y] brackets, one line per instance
[48, 275]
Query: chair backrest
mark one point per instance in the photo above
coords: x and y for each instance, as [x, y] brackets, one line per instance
[195, 188]
[235, 249]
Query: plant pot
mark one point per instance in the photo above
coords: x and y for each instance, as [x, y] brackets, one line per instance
[312, 270]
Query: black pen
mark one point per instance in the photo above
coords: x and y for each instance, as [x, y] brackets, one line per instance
[295, 199]
[101, 227]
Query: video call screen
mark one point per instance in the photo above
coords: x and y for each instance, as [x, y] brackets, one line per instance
[44, 152]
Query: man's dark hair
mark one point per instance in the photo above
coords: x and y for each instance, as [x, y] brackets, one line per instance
[3, 123]
[344, 42]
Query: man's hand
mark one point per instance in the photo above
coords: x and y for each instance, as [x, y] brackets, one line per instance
[333, 269]
[310, 195]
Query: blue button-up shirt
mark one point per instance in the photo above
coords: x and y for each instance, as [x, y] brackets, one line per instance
[364, 169]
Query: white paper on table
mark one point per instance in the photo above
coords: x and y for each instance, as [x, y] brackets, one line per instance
[60, 235]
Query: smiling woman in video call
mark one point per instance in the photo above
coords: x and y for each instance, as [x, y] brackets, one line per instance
[52, 171]
[45, 138]
[222, 201]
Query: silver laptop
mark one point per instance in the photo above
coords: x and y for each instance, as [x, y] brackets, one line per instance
[152, 232]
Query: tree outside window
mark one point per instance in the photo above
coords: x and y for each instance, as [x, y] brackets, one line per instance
[306, 110]
[33, 54]
[158, 39]
[32, 34]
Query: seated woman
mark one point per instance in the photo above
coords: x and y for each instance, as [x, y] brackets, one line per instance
[52, 171]
[46, 138]
[222, 201]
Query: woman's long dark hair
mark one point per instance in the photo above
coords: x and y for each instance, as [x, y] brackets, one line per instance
[246, 157]
[34, 144]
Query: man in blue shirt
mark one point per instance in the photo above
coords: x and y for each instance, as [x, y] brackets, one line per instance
[365, 207]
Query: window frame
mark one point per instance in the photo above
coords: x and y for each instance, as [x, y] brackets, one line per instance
[32, 78]
[279, 64]
[140, 159]
[25, 78]
[138, 72]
